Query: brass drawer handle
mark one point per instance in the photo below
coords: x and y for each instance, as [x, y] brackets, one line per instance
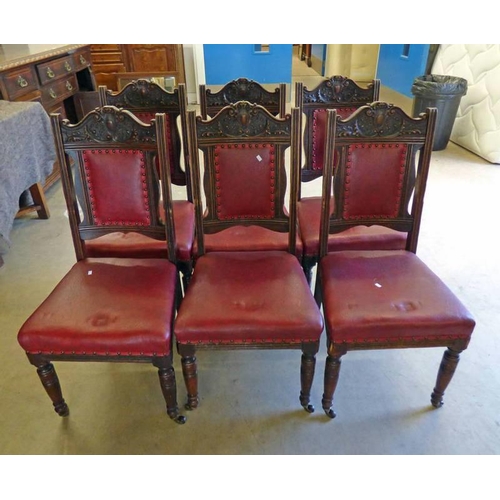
[82, 60]
[69, 86]
[21, 82]
[52, 94]
[50, 73]
[67, 66]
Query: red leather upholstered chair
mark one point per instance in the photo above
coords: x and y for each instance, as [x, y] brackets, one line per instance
[110, 309]
[242, 89]
[389, 298]
[144, 99]
[246, 299]
[344, 95]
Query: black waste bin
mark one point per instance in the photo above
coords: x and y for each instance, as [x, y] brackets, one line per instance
[444, 93]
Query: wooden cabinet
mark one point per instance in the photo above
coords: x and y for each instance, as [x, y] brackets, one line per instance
[107, 61]
[111, 62]
[55, 78]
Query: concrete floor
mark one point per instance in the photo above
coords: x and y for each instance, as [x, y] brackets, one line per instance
[249, 400]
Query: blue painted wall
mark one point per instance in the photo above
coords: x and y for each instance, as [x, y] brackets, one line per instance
[399, 65]
[226, 62]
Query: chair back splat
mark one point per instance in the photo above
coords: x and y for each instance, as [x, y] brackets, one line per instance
[376, 173]
[382, 299]
[346, 96]
[242, 89]
[244, 170]
[144, 99]
[337, 92]
[115, 182]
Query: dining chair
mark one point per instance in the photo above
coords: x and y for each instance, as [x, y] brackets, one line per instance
[110, 309]
[387, 299]
[242, 89]
[144, 99]
[246, 299]
[346, 96]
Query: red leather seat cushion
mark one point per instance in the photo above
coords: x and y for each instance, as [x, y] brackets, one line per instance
[388, 295]
[246, 297]
[138, 246]
[249, 238]
[355, 238]
[106, 306]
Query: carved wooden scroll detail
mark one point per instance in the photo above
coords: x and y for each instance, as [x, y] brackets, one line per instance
[243, 89]
[339, 89]
[143, 94]
[243, 119]
[108, 125]
[381, 119]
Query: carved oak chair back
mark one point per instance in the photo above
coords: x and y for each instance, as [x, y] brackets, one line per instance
[374, 180]
[337, 92]
[236, 298]
[145, 98]
[242, 89]
[115, 183]
[110, 309]
[344, 95]
[245, 178]
[382, 299]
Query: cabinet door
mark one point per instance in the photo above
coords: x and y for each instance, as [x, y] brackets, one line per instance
[107, 60]
[157, 59]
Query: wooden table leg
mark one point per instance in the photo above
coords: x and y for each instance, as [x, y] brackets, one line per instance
[39, 201]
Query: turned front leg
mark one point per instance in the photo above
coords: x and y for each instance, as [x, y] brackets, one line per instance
[50, 382]
[332, 371]
[445, 374]
[190, 373]
[169, 390]
[307, 368]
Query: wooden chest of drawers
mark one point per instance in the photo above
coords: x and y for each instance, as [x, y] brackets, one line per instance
[20, 81]
[54, 77]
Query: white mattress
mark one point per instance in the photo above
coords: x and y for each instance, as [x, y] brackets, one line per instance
[477, 126]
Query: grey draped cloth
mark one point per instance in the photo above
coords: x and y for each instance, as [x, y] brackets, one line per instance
[27, 155]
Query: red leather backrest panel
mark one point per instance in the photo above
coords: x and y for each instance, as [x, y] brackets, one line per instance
[117, 186]
[374, 180]
[319, 133]
[146, 117]
[245, 181]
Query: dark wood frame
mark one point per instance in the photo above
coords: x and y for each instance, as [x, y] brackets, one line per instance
[146, 96]
[333, 93]
[383, 124]
[336, 92]
[254, 125]
[99, 130]
[248, 123]
[242, 89]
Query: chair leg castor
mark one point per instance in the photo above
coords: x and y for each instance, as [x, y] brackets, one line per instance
[309, 408]
[178, 419]
[329, 412]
